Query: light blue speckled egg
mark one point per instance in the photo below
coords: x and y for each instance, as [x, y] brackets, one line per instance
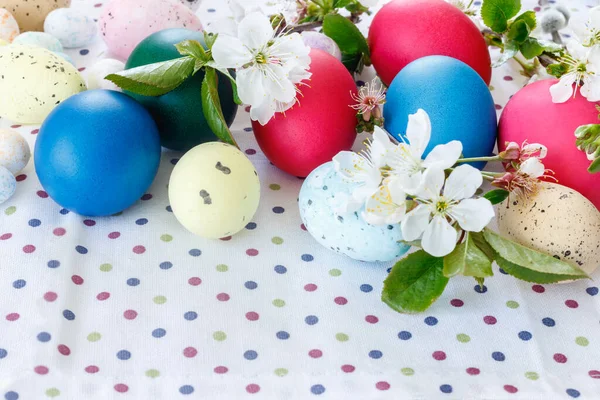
[39, 39]
[8, 184]
[66, 57]
[71, 27]
[346, 234]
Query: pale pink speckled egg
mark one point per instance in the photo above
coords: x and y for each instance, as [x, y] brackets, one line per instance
[125, 23]
[9, 29]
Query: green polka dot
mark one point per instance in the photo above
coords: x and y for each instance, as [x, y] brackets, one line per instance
[222, 268]
[532, 375]
[52, 392]
[342, 337]
[274, 186]
[166, 238]
[219, 336]
[10, 210]
[152, 373]
[335, 272]
[105, 267]
[582, 341]
[277, 240]
[278, 303]
[159, 300]
[491, 88]
[407, 371]
[281, 372]
[461, 337]
[94, 337]
[512, 304]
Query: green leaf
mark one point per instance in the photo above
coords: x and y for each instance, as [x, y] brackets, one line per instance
[531, 48]
[192, 48]
[483, 245]
[557, 70]
[595, 166]
[155, 79]
[497, 196]
[228, 74]
[529, 18]
[510, 50]
[496, 13]
[468, 259]
[351, 42]
[518, 32]
[530, 259]
[210, 39]
[529, 275]
[342, 3]
[211, 105]
[414, 283]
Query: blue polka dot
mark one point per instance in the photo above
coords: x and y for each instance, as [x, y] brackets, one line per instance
[524, 335]
[44, 337]
[186, 389]
[68, 314]
[283, 335]
[3, 353]
[498, 356]
[278, 210]
[195, 252]
[169, 209]
[366, 288]
[311, 319]
[592, 291]
[280, 269]
[81, 250]
[502, 271]
[166, 265]
[64, 211]
[11, 395]
[548, 322]
[573, 393]
[307, 257]
[251, 285]
[34, 222]
[317, 389]
[19, 283]
[376, 354]
[123, 355]
[250, 355]
[480, 289]
[404, 335]
[431, 321]
[133, 281]
[247, 129]
[190, 315]
[84, 52]
[250, 226]
[389, 270]
[446, 389]
[141, 221]
[53, 264]
[157, 333]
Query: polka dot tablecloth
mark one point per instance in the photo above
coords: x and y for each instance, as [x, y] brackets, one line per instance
[135, 307]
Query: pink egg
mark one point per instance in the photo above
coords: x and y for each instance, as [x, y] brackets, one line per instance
[531, 115]
[125, 23]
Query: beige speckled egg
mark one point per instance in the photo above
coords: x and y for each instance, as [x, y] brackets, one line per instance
[9, 29]
[14, 151]
[30, 14]
[558, 221]
[33, 82]
[214, 190]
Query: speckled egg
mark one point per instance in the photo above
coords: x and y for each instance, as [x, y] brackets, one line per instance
[39, 39]
[30, 14]
[125, 23]
[14, 151]
[8, 184]
[9, 29]
[35, 81]
[346, 234]
[66, 57]
[317, 40]
[73, 28]
[101, 69]
[558, 221]
[191, 4]
[214, 190]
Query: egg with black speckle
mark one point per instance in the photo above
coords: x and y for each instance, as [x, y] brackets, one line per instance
[8, 184]
[72, 27]
[214, 190]
[14, 151]
[30, 14]
[558, 221]
[191, 4]
[9, 28]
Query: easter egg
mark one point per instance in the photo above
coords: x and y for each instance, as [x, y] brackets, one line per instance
[191, 4]
[406, 30]
[9, 28]
[30, 14]
[318, 40]
[71, 27]
[65, 57]
[346, 234]
[97, 153]
[101, 69]
[39, 39]
[214, 190]
[317, 128]
[14, 151]
[125, 23]
[457, 100]
[558, 221]
[35, 81]
[179, 114]
[8, 184]
[531, 115]
[3, 43]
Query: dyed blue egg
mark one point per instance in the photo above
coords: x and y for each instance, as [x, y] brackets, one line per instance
[457, 100]
[346, 234]
[97, 152]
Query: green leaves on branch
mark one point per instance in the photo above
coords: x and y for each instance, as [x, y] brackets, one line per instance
[497, 196]
[318, 10]
[352, 43]
[469, 259]
[211, 106]
[588, 141]
[497, 13]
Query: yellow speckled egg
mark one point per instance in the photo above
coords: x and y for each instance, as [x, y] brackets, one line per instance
[9, 29]
[33, 82]
[214, 190]
[3, 42]
[14, 151]
[558, 221]
[30, 14]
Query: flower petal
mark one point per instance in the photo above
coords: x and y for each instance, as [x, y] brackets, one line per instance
[591, 88]
[532, 167]
[445, 155]
[264, 111]
[439, 238]
[380, 208]
[533, 148]
[563, 90]
[379, 147]
[473, 214]
[251, 89]
[418, 132]
[431, 184]
[415, 222]
[230, 52]
[463, 182]
[277, 83]
[255, 30]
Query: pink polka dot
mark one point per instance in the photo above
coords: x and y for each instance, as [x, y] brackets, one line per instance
[59, 231]
[508, 78]
[89, 222]
[35, 131]
[21, 178]
[340, 301]
[50, 296]
[538, 288]
[510, 389]
[247, 109]
[223, 297]
[439, 355]
[594, 374]
[104, 296]
[220, 370]
[315, 353]
[226, 238]
[382, 385]
[252, 252]
[18, 126]
[490, 320]
[42, 194]
[64, 350]
[571, 304]
[114, 235]
[77, 279]
[130, 314]
[139, 249]
[146, 197]
[347, 368]
[92, 369]
[29, 248]
[473, 371]
[121, 388]
[303, 227]
[560, 358]
[371, 319]
[457, 302]
[6, 236]
[252, 388]
[310, 287]
[12, 317]
[41, 370]
[252, 316]
[194, 281]
[190, 352]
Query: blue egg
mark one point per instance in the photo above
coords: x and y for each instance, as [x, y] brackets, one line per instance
[457, 100]
[346, 234]
[97, 152]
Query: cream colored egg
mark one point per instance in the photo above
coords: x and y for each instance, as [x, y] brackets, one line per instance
[33, 82]
[558, 221]
[14, 151]
[9, 29]
[214, 190]
[3, 43]
[30, 14]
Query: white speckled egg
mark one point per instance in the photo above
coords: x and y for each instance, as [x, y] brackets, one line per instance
[558, 221]
[9, 29]
[347, 234]
[191, 4]
[8, 184]
[39, 39]
[33, 82]
[66, 57]
[317, 40]
[97, 72]
[14, 151]
[30, 14]
[214, 190]
[73, 28]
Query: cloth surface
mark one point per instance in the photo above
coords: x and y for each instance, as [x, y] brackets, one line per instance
[134, 306]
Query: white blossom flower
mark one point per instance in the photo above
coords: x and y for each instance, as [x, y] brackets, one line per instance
[583, 67]
[387, 205]
[370, 99]
[588, 31]
[441, 205]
